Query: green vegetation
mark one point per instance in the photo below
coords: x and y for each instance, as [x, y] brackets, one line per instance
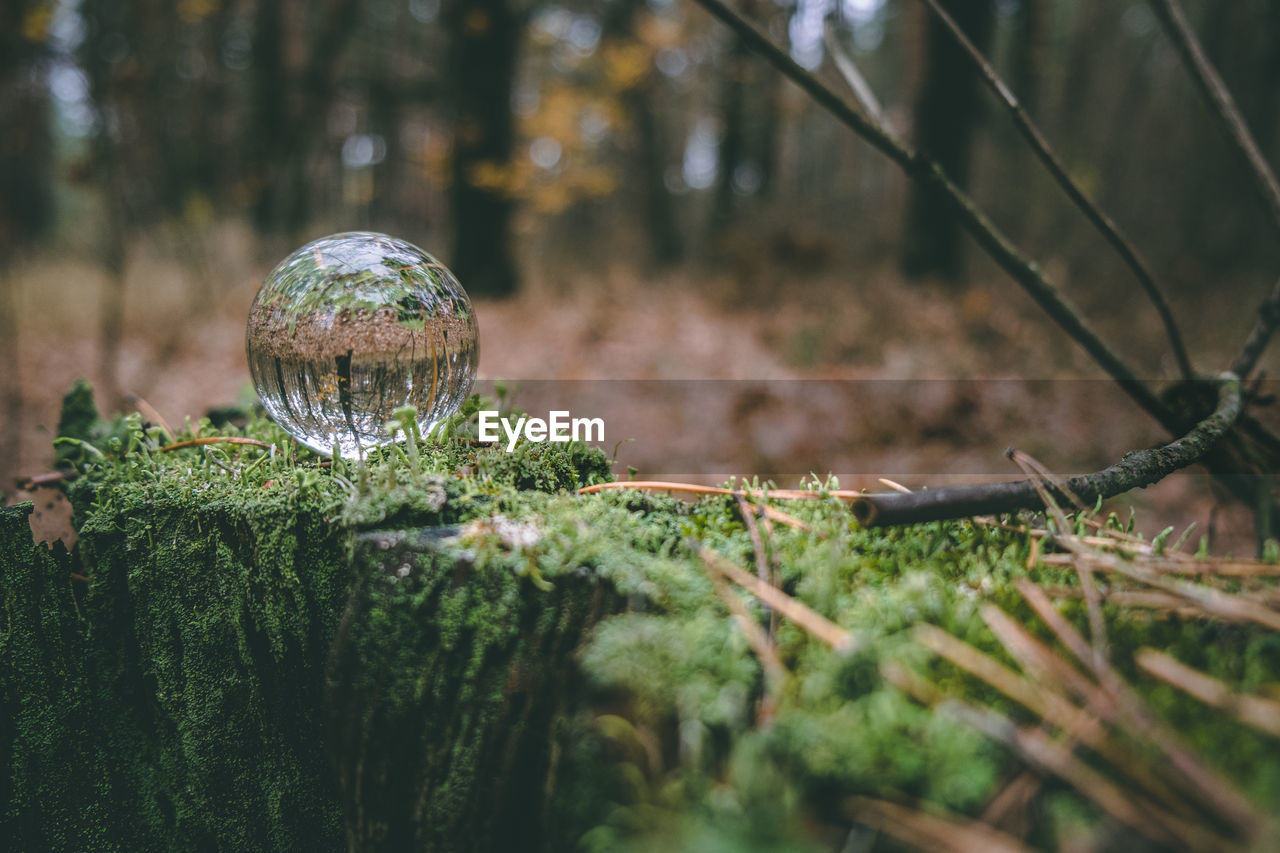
[453, 650]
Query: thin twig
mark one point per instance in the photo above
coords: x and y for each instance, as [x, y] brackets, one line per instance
[1057, 623]
[921, 168]
[208, 454]
[43, 479]
[1037, 659]
[1223, 106]
[1080, 727]
[930, 831]
[147, 411]
[1158, 601]
[1255, 711]
[1263, 327]
[215, 439]
[810, 620]
[1214, 602]
[775, 673]
[1142, 815]
[1029, 463]
[1013, 798]
[1171, 564]
[757, 544]
[856, 82]
[1103, 223]
[770, 512]
[1211, 787]
[695, 489]
[1040, 483]
[1038, 475]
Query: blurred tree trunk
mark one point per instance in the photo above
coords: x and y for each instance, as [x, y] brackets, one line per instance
[267, 130]
[484, 37]
[1027, 56]
[1242, 41]
[750, 101]
[638, 99]
[384, 121]
[946, 116]
[735, 80]
[114, 92]
[26, 167]
[25, 190]
[283, 128]
[771, 127]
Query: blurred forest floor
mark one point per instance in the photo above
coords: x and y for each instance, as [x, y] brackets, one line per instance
[743, 321]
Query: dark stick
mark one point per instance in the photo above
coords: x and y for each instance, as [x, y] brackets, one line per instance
[1260, 336]
[919, 167]
[1215, 91]
[1137, 469]
[1109, 230]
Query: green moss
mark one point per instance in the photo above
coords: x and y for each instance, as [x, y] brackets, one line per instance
[444, 718]
[449, 649]
[46, 729]
[175, 701]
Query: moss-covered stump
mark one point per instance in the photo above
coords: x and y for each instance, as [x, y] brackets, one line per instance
[209, 612]
[450, 687]
[445, 648]
[167, 690]
[47, 727]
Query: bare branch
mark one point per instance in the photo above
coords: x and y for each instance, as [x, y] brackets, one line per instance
[1263, 327]
[1224, 107]
[920, 168]
[1136, 469]
[857, 83]
[1109, 230]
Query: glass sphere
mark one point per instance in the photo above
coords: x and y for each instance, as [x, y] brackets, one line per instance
[350, 328]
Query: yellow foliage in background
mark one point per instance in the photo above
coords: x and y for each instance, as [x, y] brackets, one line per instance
[192, 11]
[35, 24]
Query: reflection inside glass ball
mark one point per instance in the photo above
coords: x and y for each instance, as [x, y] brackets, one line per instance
[350, 328]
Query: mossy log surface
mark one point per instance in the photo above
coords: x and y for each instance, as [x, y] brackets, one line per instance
[176, 698]
[448, 696]
[448, 649]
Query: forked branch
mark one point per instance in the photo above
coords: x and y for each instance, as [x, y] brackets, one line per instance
[921, 168]
[1109, 230]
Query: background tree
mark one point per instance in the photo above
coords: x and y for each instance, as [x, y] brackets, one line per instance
[484, 46]
[945, 120]
[25, 173]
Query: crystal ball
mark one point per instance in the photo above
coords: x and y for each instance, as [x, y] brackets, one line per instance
[352, 327]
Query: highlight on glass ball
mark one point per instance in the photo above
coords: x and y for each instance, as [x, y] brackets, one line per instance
[352, 327]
